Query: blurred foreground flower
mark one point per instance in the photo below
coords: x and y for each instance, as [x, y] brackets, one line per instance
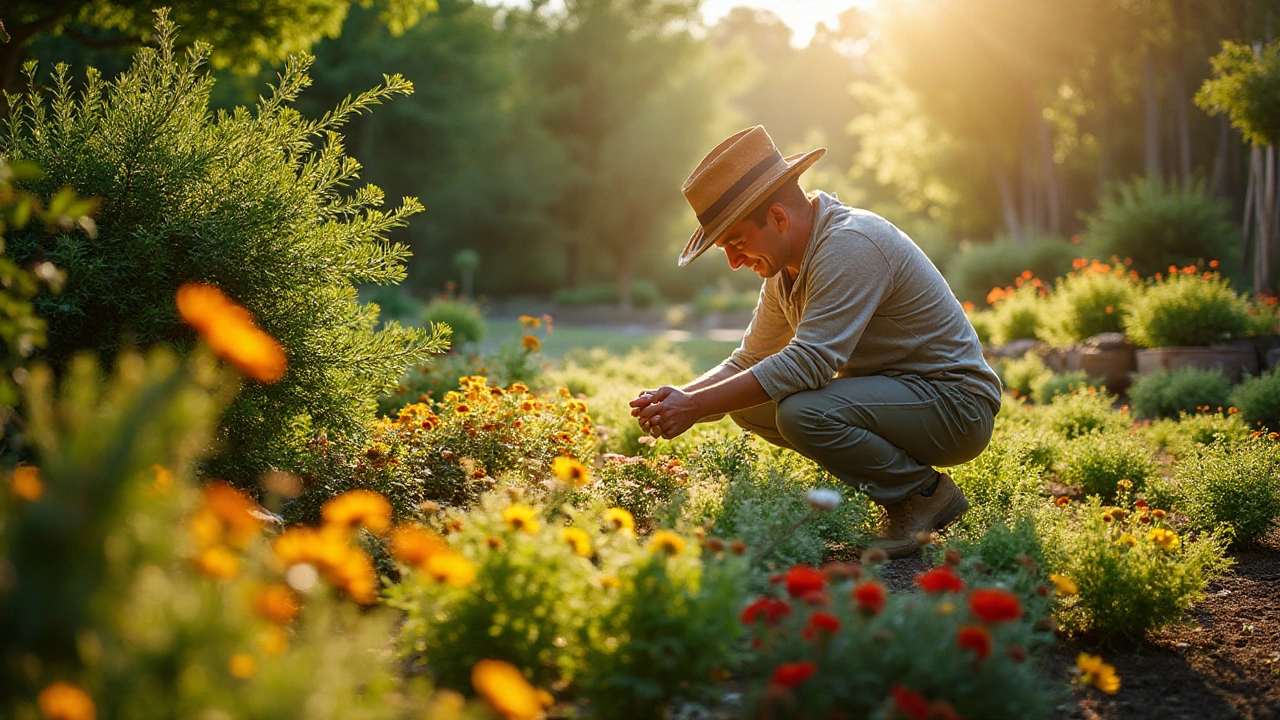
[1097, 673]
[26, 483]
[506, 690]
[231, 332]
[571, 471]
[824, 500]
[64, 701]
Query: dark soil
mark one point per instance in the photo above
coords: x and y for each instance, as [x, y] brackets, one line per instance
[1225, 663]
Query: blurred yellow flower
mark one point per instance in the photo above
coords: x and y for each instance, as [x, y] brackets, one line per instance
[273, 640]
[1168, 540]
[1097, 673]
[359, 507]
[1127, 539]
[667, 542]
[946, 607]
[619, 519]
[64, 701]
[610, 581]
[529, 321]
[531, 342]
[1064, 584]
[414, 545]
[234, 512]
[521, 518]
[578, 539]
[571, 471]
[518, 387]
[26, 483]
[242, 666]
[354, 574]
[276, 603]
[218, 562]
[162, 482]
[506, 690]
[231, 332]
[452, 568]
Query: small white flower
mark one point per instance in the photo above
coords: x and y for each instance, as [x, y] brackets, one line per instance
[824, 500]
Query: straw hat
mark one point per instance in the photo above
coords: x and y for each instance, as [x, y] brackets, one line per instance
[732, 179]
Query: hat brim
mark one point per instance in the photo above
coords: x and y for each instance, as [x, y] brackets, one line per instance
[703, 238]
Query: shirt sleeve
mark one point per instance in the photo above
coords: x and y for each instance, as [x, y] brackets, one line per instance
[768, 331]
[847, 279]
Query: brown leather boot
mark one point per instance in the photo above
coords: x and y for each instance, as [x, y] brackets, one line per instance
[919, 514]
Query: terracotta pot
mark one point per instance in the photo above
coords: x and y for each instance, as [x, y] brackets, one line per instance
[1234, 359]
[1114, 365]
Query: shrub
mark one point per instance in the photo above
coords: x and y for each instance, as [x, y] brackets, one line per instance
[1099, 460]
[1082, 412]
[248, 201]
[1090, 301]
[1017, 315]
[846, 647]
[451, 450]
[1021, 375]
[643, 294]
[982, 321]
[973, 273]
[1186, 309]
[642, 486]
[1189, 432]
[1170, 393]
[463, 317]
[724, 298]
[1132, 575]
[1157, 225]
[1231, 486]
[1004, 480]
[393, 301]
[1048, 387]
[1258, 399]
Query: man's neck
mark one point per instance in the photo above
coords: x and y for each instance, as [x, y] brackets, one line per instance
[798, 237]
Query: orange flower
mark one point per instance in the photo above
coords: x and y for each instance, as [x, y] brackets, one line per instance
[531, 342]
[242, 666]
[26, 483]
[451, 568]
[218, 563]
[976, 638]
[231, 332]
[359, 507]
[1093, 671]
[529, 321]
[414, 545]
[64, 701]
[234, 513]
[276, 603]
[994, 605]
[507, 691]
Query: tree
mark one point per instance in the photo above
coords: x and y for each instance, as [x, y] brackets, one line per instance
[245, 32]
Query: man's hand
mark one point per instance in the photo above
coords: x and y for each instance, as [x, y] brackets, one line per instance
[666, 412]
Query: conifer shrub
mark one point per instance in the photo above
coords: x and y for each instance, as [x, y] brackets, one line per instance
[1258, 399]
[250, 201]
[1187, 309]
[1170, 393]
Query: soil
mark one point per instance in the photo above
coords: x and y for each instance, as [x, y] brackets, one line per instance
[1224, 663]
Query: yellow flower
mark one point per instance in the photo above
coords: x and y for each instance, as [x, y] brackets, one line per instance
[26, 483]
[571, 471]
[231, 332]
[610, 581]
[1158, 514]
[163, 481]
[619, 519]
[521, 518]
[1065, 585]
[276, 603]
[666, 541]
[354, 574]
[452, 568]
[578, 539]
[234, 512]
[1127, 539]
[531, 342]
[64, 701]
[242, 666]
[529, 321]
[506, 690]
[273, 640]
[518, 388]
[1168, 540]
[359, 507]
[1097, 673]
[218, 562]
[946, 607]
[414, 545]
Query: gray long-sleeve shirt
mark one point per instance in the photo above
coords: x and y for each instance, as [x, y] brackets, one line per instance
[866, 301]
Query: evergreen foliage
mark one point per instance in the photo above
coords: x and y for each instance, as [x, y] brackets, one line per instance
[253, 202]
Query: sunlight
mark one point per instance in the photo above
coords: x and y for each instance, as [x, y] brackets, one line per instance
[799, 15]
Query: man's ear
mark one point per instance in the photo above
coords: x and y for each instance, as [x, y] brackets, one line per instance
[779, 217]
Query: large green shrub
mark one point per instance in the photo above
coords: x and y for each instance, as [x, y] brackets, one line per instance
[463, 317]
[1168, 393]
[1231, 485]
[1087, 303]
[1096, 462]
[1258, 399]
[250, 201]
[974, 272]
[1156, 225]
[1187, 309]
[1017, 316]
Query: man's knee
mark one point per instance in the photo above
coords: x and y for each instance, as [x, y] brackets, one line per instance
[798, 420]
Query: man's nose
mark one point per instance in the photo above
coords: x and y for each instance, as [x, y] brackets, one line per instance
[734, 257]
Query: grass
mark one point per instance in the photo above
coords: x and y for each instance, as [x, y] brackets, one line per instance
[703, 352]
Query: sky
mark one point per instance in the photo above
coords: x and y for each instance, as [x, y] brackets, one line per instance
[799, 15]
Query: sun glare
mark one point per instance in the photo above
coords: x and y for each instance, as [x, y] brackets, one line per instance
[799, 15]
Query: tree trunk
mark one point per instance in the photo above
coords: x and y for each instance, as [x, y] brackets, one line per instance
[1151, 109]
[1179, 103]
[1052, 190]
[1008, 206]
[1268, 239]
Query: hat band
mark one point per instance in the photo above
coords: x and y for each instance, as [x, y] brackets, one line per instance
[733, 192]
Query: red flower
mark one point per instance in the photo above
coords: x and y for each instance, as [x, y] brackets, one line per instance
[910, 703]
[771, 610]
[802, 580]
[871, 595]
[1141, 504]
[822, 622]
[943, 710]
[789, 675]
[994, 605]
[976, 638]
[940, 579]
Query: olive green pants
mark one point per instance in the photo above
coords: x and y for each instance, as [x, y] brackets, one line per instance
[880, 434]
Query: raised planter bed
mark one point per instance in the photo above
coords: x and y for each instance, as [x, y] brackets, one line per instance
[1235, 359]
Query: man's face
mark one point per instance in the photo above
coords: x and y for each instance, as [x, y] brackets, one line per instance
[758, 248]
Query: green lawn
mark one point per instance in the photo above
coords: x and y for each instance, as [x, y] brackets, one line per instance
[704, 350]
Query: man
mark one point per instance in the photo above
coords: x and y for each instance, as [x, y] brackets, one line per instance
[858, 356]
